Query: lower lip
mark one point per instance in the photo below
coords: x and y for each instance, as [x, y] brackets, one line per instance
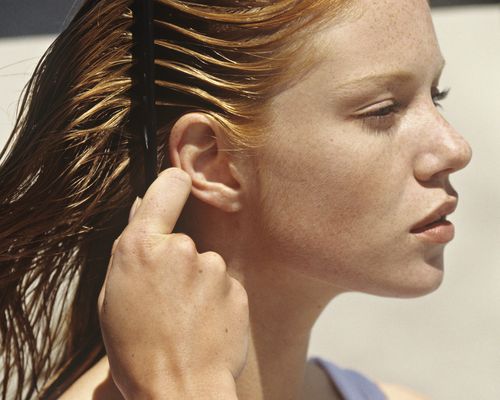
[442, 232]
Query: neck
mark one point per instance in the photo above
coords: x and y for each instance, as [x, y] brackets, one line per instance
[283, 309]
[283, 306]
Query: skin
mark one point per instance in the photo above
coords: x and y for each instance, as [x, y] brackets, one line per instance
[327, 205]
[189, 331]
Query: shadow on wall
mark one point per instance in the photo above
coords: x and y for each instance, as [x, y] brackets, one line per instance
[35, 17]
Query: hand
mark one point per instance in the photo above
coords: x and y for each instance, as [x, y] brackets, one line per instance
[174, 323]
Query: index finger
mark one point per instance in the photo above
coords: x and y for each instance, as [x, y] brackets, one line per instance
[163, 202]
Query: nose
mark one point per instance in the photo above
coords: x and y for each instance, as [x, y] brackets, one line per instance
[444, 151]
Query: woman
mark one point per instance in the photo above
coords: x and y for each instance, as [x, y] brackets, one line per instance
[315, 161]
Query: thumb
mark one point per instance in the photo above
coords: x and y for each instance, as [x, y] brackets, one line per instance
[100, 299]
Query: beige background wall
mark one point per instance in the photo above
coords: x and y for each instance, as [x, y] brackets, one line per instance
[447, 344]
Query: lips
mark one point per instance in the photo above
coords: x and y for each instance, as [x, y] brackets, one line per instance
[436, 217]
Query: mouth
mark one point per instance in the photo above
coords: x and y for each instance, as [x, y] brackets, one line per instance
[435, 227]
[430, 225]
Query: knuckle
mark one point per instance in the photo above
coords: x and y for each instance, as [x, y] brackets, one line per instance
[214, 261]
[239, 292]
[183, 246]
[126, 241]
[137, 245]
[123, 245]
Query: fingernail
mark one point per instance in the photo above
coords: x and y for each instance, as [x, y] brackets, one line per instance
[134, 208]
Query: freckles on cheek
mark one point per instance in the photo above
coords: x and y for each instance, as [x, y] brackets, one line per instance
[323, 167]
[355, 171]
[364, 191]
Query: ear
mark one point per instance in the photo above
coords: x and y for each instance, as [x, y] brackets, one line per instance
[197, 146]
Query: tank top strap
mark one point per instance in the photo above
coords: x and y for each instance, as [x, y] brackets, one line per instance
[350, 384]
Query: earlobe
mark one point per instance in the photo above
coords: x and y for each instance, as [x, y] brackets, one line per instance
[197, 145]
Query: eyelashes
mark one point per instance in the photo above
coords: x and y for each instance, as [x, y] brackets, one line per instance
[438, 96]
[383, 118]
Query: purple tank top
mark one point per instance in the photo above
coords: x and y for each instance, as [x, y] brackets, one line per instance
[350, 384]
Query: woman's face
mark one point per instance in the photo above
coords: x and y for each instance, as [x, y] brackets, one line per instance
[359, 155]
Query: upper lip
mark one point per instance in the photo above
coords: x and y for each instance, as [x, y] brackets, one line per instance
[439, 212]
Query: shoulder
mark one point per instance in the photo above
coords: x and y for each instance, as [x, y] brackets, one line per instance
[396, 392]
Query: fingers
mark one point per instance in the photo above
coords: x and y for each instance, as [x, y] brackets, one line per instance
[163, 202]
[157, 212]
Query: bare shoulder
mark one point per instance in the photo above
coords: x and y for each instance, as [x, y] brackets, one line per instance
[95, 384]
[397, 392]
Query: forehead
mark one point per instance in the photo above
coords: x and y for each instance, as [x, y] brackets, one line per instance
[377, 36]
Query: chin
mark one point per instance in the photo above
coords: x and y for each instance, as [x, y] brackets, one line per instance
[416, 280]
[420, 289]
[423, 278]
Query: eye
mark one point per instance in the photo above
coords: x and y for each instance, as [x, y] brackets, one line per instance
[438, 95]
[380, 118]
[381, 112]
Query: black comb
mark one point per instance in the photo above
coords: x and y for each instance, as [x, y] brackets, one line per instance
[144, 20]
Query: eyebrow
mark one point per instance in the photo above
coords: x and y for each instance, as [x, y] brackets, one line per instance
[397, 77]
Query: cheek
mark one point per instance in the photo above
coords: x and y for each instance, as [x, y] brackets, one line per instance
[339, 212]
[331, 196]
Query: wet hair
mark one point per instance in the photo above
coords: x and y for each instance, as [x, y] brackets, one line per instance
[73, 163]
